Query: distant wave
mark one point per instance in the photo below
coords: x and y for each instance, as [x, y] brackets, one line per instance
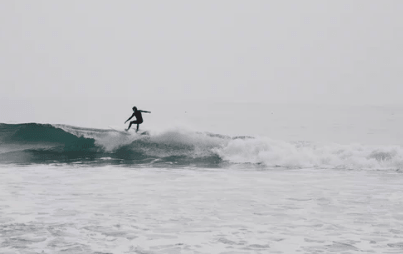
[44, 143]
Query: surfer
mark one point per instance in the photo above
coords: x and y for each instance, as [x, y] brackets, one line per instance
[139, 118]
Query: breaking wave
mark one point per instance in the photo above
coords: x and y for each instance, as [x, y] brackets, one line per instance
[44, 143]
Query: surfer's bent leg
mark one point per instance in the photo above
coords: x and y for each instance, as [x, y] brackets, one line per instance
[138, 124]
[130, 125]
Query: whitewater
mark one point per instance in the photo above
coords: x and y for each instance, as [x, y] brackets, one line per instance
[45, 143]
[311, 183]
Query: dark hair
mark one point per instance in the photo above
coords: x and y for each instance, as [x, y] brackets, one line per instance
[134, 108]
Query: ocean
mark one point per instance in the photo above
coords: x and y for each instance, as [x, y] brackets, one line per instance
[239, 178]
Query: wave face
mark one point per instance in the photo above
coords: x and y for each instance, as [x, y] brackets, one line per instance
[44, 143]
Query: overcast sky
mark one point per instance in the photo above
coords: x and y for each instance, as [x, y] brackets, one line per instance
[237, 51]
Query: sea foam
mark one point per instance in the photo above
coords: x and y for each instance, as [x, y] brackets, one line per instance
[39, 143]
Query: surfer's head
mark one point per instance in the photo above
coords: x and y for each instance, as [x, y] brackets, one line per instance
[134, 109]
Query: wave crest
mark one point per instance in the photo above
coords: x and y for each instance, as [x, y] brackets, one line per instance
[45, 143]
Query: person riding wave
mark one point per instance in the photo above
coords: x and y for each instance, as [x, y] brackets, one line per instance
[139, 118]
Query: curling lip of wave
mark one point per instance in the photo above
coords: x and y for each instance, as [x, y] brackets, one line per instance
[45, 143]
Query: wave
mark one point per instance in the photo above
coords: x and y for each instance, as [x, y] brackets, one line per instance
[45, 143]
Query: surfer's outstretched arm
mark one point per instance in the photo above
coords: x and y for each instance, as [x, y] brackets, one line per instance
[129, 118]
[143, 111]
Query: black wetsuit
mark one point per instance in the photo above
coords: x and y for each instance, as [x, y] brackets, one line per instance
[139, 117]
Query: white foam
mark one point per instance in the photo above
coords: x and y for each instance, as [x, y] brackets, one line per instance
[258, 150]
[270, 152]
[110, 140]
[111, 209]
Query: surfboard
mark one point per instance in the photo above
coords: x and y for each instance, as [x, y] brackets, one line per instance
[130, 132]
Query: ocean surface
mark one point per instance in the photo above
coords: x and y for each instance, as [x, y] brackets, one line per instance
[278, 179]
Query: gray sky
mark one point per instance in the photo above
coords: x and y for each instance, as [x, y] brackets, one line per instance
[236, 51]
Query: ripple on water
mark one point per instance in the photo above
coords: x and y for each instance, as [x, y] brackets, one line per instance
[398, 245]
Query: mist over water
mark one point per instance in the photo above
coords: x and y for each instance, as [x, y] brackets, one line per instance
[373, 125]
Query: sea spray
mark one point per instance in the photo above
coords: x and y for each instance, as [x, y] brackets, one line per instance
[45, 143]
